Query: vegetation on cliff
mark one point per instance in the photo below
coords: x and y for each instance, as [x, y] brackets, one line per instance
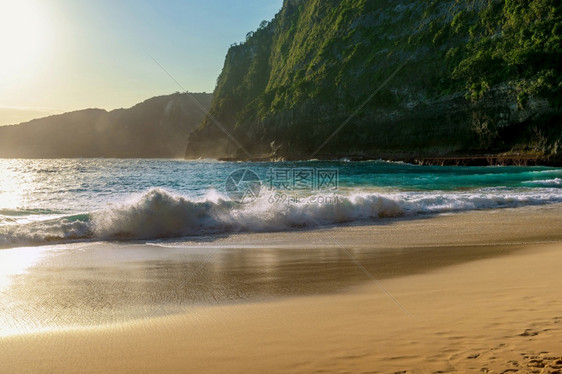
[471, 77]
[515, 41]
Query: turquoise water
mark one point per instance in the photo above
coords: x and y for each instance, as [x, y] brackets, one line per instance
[46, 201]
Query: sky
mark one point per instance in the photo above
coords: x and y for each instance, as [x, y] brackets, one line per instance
[63, 55]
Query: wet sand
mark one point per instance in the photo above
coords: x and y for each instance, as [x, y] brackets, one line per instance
[467, 292]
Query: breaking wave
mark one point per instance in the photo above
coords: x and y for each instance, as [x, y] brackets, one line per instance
[160, 214]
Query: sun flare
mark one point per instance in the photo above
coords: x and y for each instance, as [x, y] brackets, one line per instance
[25, 35]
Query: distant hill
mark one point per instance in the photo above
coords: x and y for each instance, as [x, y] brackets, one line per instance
[155, 128]
[466, 78]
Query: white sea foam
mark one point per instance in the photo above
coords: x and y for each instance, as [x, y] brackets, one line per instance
[159, 214]
[556, 182]
[162, 214]
[44, 232]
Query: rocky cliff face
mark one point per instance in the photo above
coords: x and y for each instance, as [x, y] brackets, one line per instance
[405, 78]
[157, 127]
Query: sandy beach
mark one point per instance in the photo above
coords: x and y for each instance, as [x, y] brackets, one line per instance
[467, 292]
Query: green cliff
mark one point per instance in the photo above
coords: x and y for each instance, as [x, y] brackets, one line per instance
[466, 78]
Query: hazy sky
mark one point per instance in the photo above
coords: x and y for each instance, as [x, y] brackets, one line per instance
[61, 55]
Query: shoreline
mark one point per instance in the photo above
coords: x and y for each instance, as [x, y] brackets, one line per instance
[481, 287]
[460, 160]
[429, 160]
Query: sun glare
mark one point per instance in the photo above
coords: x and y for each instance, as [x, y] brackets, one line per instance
[25, 35]
[10, 198]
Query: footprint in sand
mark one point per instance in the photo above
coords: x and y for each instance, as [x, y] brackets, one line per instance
[529, 332]
[537, 363]
[510, 371]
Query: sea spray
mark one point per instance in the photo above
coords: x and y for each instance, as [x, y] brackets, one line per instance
[160, 214]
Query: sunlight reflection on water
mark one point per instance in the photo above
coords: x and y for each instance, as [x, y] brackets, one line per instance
[16, 261]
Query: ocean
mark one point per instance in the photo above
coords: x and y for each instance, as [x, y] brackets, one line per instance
[45, 202]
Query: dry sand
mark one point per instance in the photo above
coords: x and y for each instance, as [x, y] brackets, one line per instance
[472, 292]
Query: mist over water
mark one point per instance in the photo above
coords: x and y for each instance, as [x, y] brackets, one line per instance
[57, 201]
